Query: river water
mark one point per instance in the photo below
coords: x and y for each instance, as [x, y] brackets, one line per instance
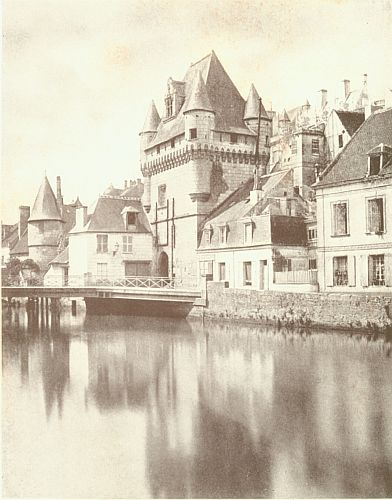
[121, 407]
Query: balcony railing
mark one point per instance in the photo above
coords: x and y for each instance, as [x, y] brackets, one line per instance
[108, 281]
[297, 276]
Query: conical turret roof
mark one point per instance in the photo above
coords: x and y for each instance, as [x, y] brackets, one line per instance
[45, 205]
[152, 119]
[199, 99]
[284, 117]
[252, 105]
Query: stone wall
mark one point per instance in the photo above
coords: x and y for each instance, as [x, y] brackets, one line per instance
[338, 311]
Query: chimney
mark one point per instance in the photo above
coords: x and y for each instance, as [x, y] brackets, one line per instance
[125, 184]
[81, 217]
[24, 214]
[323, 98]
[365, 79]
[59, 196]
[346, 88]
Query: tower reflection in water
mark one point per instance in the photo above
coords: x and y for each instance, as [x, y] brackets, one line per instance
[217, 410]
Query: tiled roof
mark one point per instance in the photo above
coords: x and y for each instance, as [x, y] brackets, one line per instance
[21, 247]
[252, 105]
[152, 119]
[352, 162]
[351, 120]
[11, 238]
[45, 205]
[62, 258]
[107, 217]
[223, 96]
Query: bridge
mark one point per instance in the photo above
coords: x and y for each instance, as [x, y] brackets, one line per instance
[104, 292]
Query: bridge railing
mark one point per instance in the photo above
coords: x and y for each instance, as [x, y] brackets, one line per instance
[89, 280]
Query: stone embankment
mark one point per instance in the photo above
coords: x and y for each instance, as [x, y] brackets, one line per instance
[332, 310]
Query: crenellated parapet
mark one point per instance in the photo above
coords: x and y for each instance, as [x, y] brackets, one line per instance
[191, 153]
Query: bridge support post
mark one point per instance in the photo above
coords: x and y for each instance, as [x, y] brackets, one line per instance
[73, 307]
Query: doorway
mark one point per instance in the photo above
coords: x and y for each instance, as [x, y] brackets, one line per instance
[163, 265]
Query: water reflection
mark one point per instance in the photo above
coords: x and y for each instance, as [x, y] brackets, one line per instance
[135, 407]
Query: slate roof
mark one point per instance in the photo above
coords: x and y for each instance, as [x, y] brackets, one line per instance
[152, 119]
[106, 216]
[198, 100]
[252, 105]
[351, 164]
[62, 258]
[351, 120]
[45, 205]
[225, 100]
[11, 238]
[21, 247]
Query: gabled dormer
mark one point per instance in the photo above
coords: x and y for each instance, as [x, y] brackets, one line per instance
[174, 98]
[378, 157]
[130, 217]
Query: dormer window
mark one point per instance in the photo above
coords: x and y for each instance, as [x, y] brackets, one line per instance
[208, 235]
[129, 215]
[169, 106]
[248, 232]
[233, 138]
[378, 157]
[223, 230]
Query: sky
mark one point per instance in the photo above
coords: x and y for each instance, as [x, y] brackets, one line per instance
[78, 75]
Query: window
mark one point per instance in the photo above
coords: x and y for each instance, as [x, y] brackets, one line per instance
[315, 147]
[376, 270]
[206, 268]
[207, 235]
[294, 147]
[340, 271]
[340, 219]
[266, 141]
[312, 233]
[193, 133]
[247, 273]
[222, 271]
[169, 107]
[172, 143]
[223, 234]
[233, 138]
[127, 244]
[102, 269]
[340, 139]
[312, 264]
[102, 243]
[220, 137]
[131, 218]
[375, 215]
[248, 232]
[303, 148]
[374, 165]
[158, 149]
[282, 264]
[162, 195]
[246, 140]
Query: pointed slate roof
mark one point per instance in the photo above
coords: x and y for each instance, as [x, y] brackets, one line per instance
[224, 98]
[45, 205]
[198, 99]
[252, 105]
[152, 119]
[284, 117]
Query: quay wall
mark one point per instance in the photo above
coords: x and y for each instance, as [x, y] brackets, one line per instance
[334, 310]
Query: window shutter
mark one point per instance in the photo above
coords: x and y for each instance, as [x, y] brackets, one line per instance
[351, 270]
[328, 271]
[363, 269]
[388, 269]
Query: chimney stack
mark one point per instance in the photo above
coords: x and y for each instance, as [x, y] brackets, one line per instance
[346, 88]
[81, 217]
[59, 195]
[324, 93]
[125, 184]
[24, 214]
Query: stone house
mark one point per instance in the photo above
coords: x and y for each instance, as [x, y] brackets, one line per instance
[257, 239]
[114, 240]
[354, 212]
[194, 157]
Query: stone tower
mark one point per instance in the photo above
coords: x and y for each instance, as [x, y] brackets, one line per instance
[45, 227]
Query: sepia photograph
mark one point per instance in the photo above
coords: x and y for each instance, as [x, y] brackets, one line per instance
[196, 249]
